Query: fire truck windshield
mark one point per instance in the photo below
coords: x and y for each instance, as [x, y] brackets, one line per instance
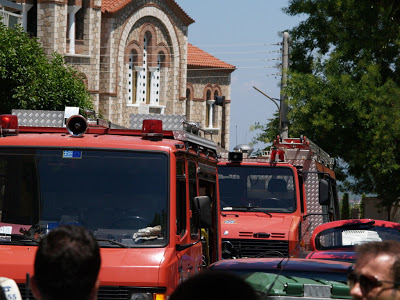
[250, 188]
[121, 196]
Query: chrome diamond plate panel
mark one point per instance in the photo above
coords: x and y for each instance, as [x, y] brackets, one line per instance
[311, 184]
[40, 118]
[170, 122]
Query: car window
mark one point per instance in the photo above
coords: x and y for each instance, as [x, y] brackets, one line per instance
[341, 237]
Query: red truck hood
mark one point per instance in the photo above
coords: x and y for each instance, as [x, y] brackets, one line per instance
[137, 267]
[245, 224]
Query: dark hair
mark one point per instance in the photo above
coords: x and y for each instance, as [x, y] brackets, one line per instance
[67, 263]
[372, 249]
[214, 285]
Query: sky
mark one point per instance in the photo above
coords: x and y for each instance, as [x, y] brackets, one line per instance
[246, 34]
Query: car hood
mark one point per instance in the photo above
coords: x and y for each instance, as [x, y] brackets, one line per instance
[246, 224]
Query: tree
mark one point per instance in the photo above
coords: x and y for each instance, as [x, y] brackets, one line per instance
[29, 80]
[343, 87]
[268, 131]
[362, 206]
[345, 207]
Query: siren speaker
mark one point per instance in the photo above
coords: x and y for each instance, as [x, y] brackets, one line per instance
[77, 125]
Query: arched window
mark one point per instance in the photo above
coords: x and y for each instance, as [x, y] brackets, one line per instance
[209, 109]
[142, 81]
[188, 106]
[147, 69]
[132, 77]
[79, 23]
[149, 77]
[215, 111]
[155, 75]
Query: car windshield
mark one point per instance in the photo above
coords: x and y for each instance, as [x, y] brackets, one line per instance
[256, 188]
[120, 196]
[342, 237]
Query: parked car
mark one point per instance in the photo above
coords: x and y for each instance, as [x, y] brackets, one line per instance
[291, 277]
[337, 240]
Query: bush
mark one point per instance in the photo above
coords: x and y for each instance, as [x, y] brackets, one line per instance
[29, 80]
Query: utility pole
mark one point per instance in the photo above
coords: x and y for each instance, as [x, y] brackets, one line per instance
[284, 124]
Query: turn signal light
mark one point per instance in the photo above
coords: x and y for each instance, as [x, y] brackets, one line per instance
[152, 129]
[8, 125]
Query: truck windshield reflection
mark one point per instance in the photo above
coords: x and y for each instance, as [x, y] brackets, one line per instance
[121, 196]
[256, 189]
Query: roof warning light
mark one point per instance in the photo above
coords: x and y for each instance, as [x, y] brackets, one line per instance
[8, 125]
[152, 129]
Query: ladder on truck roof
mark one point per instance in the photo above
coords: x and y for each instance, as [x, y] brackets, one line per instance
[303, 143]
[193, 135]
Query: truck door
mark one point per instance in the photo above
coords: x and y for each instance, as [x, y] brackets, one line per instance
[187, 232]
[207, 187]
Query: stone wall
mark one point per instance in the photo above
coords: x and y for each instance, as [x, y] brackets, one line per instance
[102, 60]
[52, 26]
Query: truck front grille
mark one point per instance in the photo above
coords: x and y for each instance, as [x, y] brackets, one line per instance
[257, 248]
[105, 292]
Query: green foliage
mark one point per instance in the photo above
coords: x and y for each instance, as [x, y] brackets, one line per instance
[362, 206]
[344, 88]
[367, 29]
[29, 80]
[269, 131]
[345, 207]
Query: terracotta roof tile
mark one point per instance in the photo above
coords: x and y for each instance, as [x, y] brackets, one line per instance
[112, 6]
[199, 58]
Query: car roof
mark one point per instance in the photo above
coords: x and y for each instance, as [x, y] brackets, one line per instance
[327, 278]
[338, 254]
[275, 264]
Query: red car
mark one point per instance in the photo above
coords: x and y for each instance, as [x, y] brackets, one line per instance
[337, 240]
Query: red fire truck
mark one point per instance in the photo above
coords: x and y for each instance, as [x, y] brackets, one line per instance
[270, 204]
[149, 196]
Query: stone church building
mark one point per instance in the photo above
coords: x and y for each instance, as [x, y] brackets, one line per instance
[134, 57]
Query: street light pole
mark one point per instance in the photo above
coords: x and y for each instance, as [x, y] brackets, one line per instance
[283, 105]
[284, 124]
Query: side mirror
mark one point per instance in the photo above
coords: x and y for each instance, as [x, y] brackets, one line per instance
[204, 211]
[324, 192]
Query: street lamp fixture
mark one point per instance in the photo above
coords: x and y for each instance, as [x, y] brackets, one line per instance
[270, 98]
[279, 109]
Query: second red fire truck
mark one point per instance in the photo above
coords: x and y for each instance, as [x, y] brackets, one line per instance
[271, 203]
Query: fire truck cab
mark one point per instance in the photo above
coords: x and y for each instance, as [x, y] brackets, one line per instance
[149, 196]
[271, 203]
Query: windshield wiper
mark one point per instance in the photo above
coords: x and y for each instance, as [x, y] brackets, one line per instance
[113, 242]
[239, 208]
[21, 237]
[246, 208]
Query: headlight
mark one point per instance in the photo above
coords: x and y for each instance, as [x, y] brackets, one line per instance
[147, 296]
[141, 296]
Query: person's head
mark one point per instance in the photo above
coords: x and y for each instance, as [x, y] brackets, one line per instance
[214, 285]
[67, 265]
[376, 274]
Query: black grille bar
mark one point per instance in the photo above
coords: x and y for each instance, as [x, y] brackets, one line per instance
[259, 248]
[106, 292]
